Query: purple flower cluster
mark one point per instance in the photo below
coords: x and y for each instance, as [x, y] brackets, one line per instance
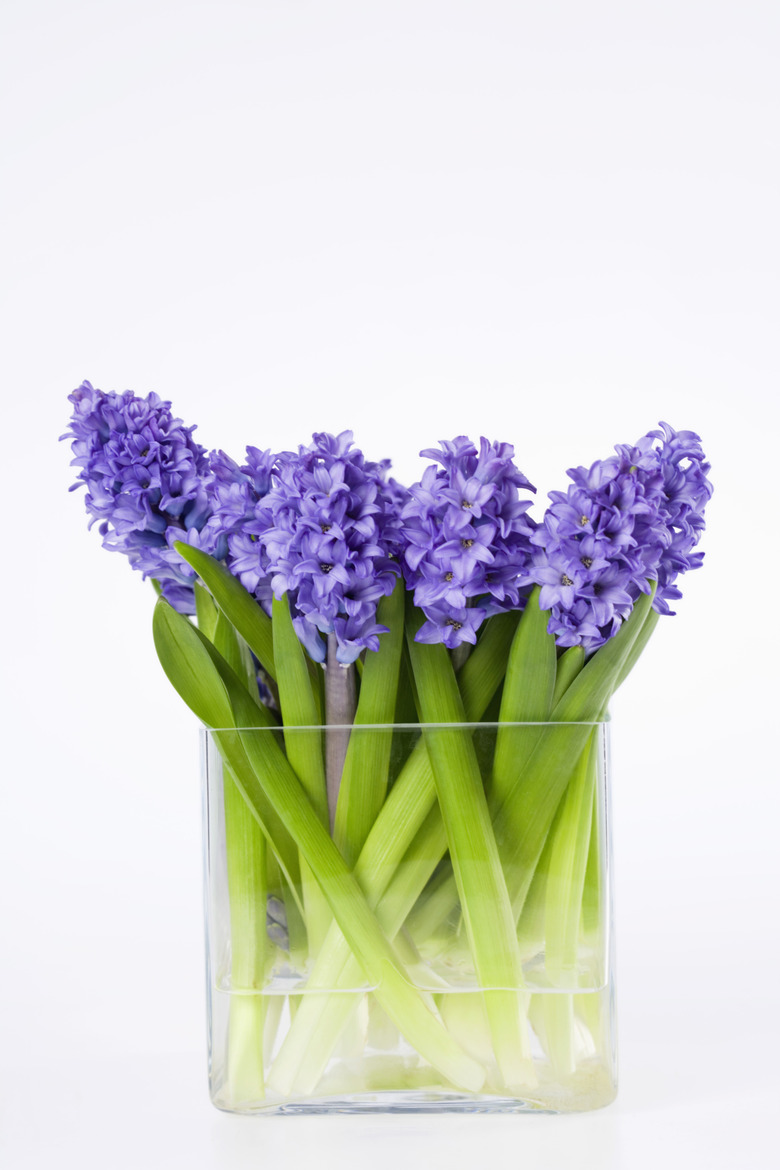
[146, 482]
[235, 493]
[467, 538]
[626, 521]
[333, 532]
[319, 525]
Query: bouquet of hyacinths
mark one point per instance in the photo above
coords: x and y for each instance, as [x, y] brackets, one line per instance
[405, 691]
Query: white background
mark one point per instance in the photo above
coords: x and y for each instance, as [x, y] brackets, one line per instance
[551, 223]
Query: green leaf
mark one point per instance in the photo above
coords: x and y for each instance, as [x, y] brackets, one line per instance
[197, 672]
[566, 874]
[527, 696]
[206, 611]
[563, 907]
[475, 857]
[304, 749]
[186, 660]
[299, 709]
[523, 821]
[483, 671]
[588, 695]
[225, 640]
[364, 777]
[639, 644]
[570, 664]
[246, 857]
[239, 607]
[530, 674]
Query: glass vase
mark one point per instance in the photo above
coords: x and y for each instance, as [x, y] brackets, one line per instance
[303, 1017]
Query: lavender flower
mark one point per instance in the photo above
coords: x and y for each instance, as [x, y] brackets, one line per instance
[320, 525]
[627, 520]
[467, 539]
[145, 480]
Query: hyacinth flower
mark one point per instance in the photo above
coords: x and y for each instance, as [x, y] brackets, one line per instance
[146, 482]
[467, 537]
[385, 863]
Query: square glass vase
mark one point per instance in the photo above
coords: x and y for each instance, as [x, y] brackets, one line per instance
[369, 987]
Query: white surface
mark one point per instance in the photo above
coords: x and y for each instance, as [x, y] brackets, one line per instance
[553, 224]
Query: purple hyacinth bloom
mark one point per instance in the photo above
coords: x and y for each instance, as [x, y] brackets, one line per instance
[332, 542]
[146, 483]
[234, 493]
[451, 625]
[467, 538]
[625, 521]
[319, 525]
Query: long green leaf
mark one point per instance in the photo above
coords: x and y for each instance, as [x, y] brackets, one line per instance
[483, 671]
[206, 611]
[304, 750]
[299, 708]
[530, 674]
[527, 696]
[482, 888]
[639, 644]
[246, 850]
[184, 656]
[364, 777]
[189, 661]
[563, 906]
[523, 821]
[239, 607]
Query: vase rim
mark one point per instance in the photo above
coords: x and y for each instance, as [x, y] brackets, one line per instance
[466, 724]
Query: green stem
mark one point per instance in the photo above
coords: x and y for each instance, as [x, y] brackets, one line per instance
[340, 699]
